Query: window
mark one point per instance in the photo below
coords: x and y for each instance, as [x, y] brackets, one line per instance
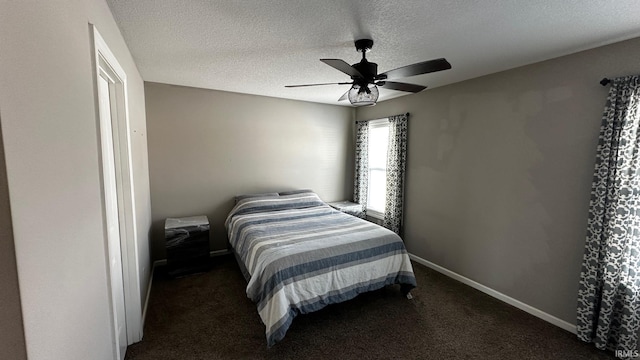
[378, 144]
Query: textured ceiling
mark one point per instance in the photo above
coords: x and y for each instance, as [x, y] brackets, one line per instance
[258, 47]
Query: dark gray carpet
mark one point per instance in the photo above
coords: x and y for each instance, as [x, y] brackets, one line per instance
[208, 316]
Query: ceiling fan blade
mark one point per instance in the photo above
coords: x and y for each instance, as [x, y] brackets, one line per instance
[338, 83]
[401, 86]
[344, 96]
[342, 66]
[416, 69]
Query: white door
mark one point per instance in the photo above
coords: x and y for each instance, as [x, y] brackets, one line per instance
[112, 214]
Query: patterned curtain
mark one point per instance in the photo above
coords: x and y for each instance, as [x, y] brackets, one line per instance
[609, 293]
[361, 183]
[396, 166]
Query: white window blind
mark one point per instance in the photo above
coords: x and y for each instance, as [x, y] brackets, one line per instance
[378, 144]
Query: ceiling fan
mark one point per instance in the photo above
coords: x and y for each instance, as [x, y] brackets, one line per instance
[365, 77]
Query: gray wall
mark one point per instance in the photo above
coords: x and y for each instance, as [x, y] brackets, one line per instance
[499, 173]
[206, 146]
[11, 330]
[50, 133]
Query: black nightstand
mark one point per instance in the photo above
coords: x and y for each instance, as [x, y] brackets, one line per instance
[187, 244]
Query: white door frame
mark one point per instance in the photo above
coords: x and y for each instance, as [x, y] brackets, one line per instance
[107, 109]
[104, 58]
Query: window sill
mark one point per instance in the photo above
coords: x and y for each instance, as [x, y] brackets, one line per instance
[375, 214]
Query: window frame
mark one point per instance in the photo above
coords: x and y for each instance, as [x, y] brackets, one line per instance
[378, 123]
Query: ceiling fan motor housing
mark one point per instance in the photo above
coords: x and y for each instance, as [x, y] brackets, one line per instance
[368, 70]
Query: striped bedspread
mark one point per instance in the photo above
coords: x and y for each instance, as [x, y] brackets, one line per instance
[302, 255]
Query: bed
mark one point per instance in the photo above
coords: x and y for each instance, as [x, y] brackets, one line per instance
[299, 255]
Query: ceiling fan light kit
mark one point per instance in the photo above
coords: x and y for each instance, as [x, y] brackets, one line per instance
[363, 95]
[366, 80]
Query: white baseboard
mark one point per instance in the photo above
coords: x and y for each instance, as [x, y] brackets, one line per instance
[164, 262]
[498, 295]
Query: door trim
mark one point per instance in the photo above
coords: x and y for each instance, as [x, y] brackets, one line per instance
[103, 57]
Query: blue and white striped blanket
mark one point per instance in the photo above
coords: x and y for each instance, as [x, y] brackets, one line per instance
[302, 255]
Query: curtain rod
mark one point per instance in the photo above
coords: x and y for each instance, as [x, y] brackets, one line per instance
[605, 82]
[381, 117]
